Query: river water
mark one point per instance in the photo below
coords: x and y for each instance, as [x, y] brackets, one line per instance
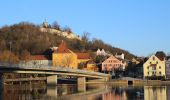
[88, 92]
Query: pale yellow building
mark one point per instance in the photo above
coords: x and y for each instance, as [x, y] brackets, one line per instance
[154, 66]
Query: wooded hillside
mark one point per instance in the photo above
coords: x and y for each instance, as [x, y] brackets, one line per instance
[26, 38]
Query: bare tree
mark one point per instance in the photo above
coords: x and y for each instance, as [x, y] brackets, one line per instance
[86, 36]
[67, 60]
[55, 25]
[67, 29]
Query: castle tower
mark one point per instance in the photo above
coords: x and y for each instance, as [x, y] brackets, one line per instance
[45, 24]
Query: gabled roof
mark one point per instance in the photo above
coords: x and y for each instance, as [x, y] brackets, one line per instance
[40, 57]
[160, 55]
[83, 55]
[91, 62]
[111, 57]
[62, 48]
[151, 59]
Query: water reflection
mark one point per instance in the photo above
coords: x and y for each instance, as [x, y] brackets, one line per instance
[88, 92]
[156, 92]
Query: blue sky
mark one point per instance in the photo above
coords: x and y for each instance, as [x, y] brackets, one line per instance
[140, 26]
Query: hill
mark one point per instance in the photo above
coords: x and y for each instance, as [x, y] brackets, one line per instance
[27, 38]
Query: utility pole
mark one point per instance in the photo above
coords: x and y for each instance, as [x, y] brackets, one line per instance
[10, 46]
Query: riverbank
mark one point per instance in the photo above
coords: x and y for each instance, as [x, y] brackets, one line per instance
[133, 82]
[140, 82]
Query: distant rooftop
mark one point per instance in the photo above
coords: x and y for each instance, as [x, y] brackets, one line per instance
[62, 48]
[161, 55]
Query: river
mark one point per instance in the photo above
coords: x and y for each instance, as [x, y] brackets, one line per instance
[88, 92]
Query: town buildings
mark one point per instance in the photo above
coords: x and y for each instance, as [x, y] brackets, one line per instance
[64, 57]
[167, 69]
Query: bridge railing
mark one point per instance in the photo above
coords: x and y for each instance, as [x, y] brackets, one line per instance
[43, 67]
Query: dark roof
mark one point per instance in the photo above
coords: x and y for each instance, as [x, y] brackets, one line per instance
[168, 58]
[83, 55]
[62, 48]
[91, 62]
[161, 55]
[40, 57]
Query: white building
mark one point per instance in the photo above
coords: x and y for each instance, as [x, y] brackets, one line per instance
[101, 52]
[38, 60]
[120, 55]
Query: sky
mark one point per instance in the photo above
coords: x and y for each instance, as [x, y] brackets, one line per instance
[141, 27]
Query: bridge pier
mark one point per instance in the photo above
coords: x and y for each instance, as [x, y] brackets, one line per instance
[52, 91]
[98, 80]
[2, 80]
[81, 80]
[81, 84]
[52, 80]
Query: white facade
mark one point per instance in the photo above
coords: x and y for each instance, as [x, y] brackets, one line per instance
[60, 33]
[121, 56]
[37, 63]
[101, 52]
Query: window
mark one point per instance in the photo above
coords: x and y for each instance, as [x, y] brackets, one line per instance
[148, 73]
[148, 67]
[154, 68]
[153, 58]
[150, 62]
[153, 73]
[156, 62]
[159, 67]
[160, 73]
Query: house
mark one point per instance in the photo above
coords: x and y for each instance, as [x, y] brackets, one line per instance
[89, 65]
[101, 52]
[38, 60]
[135, 61]
[111, 64]
[64, 57]
[120, 55]
[167, 69]
[155, 66]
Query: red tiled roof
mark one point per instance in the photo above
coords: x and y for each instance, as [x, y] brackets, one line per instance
[40, 57]
[62, 48]
[83, 56]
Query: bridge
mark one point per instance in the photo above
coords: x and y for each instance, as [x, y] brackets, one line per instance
[53, 72]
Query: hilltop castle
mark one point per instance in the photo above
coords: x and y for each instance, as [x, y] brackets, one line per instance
[68, 34]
